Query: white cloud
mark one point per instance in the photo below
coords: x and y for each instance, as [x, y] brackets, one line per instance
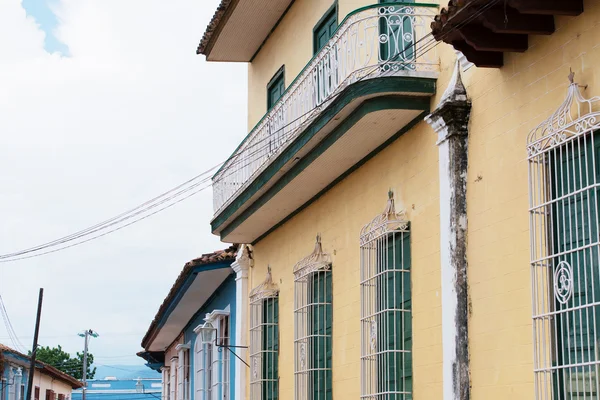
[131, 113]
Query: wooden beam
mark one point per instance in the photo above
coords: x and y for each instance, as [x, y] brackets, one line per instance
[509, 20]
[483, 39]
[485, 59]
[548, 7]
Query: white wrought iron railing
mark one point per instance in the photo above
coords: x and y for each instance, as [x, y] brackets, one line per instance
[389, 39]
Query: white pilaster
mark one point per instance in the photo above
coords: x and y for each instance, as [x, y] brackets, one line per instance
[450, 121]
[241, 265]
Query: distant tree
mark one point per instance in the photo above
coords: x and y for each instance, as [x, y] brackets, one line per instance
[63, 361]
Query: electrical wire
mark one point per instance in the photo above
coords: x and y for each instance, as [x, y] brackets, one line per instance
[10, 329]
[178, 193]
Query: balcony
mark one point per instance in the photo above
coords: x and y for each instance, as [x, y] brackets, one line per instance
[376, 75]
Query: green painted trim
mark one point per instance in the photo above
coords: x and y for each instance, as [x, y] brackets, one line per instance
[344, 175]
[359, 89]
[334, 9]
[428, 5]
[369, 106]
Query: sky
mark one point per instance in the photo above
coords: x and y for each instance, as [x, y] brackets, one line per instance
[104, 105]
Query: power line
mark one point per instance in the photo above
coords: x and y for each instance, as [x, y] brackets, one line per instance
[10, 329]
[181, 192]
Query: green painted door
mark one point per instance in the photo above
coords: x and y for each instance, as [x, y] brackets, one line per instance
[270, 345]
[397, 28]
[320, 328]
[394, 325]
[573, 174]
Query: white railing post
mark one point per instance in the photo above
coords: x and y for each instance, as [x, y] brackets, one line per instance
[374, 42]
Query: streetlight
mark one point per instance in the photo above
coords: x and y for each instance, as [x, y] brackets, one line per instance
[86, 334]
[206, 333]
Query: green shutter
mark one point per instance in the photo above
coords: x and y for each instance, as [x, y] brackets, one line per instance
[275, 89]
[398, 29]
[324, 29]
[575, 225]
[394, 325]
[320, 327]
[270, 345]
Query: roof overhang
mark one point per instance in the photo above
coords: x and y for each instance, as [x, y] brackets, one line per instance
[239, 28]
[329, 149]
[197, 287]
[483, 30]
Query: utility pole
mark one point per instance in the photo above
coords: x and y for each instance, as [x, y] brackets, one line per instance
[85, 350]
[86, 335]
[35, 344]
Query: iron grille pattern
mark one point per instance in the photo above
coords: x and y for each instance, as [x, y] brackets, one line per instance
[564, 176]
[372, 42]
[313, 326]
[386, 325]
[264, 341]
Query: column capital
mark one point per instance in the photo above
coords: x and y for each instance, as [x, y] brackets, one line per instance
[451, 116]
[243, 261]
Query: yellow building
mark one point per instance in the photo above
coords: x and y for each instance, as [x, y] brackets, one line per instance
[454, 206]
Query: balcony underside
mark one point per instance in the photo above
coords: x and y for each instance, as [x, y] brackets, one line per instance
[360, 122]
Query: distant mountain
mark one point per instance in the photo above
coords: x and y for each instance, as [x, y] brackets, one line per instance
[125, 372]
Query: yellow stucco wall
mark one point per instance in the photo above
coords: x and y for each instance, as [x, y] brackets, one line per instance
[338, 216]
[292, 50]
[507, 104]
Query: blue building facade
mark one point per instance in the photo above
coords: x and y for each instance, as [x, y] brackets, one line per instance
[117, 389]
[192, 337]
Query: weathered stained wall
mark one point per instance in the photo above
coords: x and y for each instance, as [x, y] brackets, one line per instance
[507, 104]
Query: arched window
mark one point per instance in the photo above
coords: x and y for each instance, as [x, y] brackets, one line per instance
[564, 176]
[313, 322]
[386, 304]
[264, 341]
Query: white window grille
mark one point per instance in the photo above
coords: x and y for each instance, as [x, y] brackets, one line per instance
[183, 371]
[220, 363]
[313, 326]
[385, 293]
[173, 379]
[264, 340]
[212, 359]
[165, 383]
[564, 175]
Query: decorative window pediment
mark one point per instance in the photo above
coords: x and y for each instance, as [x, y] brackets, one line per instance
[564, 154]
[318, 260]
[575, 116]
[266, 289]
[388, 221]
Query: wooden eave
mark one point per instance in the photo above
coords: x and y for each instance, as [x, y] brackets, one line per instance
[483, 32]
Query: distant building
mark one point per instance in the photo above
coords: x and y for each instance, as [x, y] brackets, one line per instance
[111, 388]
[195, 332]
[48, 382]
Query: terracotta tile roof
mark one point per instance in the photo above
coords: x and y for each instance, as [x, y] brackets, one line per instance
[441, 20]
[228, 254]
[46, 368]
[212, 26]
